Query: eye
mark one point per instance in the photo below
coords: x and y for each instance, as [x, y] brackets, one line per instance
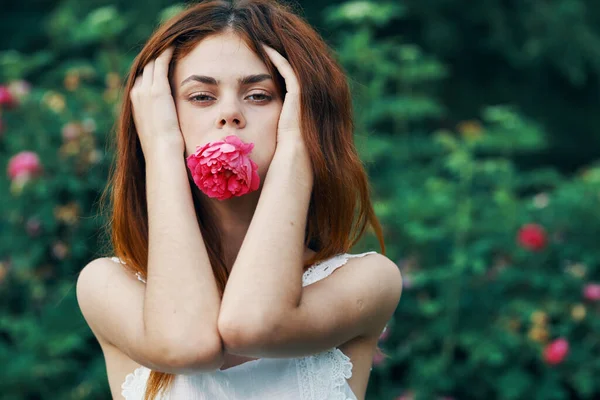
[201, 96]
[262, 97]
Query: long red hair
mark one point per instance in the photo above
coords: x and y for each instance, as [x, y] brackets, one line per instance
[340, 207]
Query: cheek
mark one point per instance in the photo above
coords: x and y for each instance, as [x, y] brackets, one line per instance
[194, 128]
[189, 121]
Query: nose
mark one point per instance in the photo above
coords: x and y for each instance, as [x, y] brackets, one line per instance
[230, 115]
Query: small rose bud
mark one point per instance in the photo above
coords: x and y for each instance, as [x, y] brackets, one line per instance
[532, 237]
[556, 351]
[591, 291]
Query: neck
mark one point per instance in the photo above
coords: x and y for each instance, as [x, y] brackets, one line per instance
[233, 217]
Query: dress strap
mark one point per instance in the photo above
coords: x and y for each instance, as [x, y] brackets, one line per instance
[137, 274]
[323, 269]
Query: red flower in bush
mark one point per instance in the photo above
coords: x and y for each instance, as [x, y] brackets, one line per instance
[6, 97]
[555, 352]
[532, 237]
[591, 291]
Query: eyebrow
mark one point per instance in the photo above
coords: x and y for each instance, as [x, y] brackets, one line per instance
[245, 80]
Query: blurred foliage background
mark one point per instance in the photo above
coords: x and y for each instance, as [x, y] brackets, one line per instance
[478, 126]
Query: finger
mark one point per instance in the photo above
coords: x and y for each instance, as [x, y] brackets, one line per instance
[284, 68]
[148, 75]
[137, 83]
[161, 69]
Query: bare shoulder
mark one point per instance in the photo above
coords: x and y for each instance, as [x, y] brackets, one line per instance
[111, 300]
[382, 276]
[93, 281]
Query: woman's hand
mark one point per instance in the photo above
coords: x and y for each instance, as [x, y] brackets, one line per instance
[154, 110]
[288, 128]
[290, 142]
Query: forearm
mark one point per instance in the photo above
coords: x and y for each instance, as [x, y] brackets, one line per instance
[266, 278]
[182, 302]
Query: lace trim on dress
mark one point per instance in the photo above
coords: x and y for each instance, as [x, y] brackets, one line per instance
[325, 268]
[137, 274]
[323, 375]
[134, 386]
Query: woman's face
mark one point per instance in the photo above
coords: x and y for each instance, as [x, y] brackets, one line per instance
[212, 102]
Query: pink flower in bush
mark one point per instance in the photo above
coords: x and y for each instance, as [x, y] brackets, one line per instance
[24, 163]
[378, 358]
[556, 351]
[591, 291]
[6, 97]
[532, 237]
[223, 169]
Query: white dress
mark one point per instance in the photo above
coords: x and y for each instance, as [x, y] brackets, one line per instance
[321, 376]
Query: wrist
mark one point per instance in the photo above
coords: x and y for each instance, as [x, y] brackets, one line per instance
[295, 158]
[165, 149]
[291, 150]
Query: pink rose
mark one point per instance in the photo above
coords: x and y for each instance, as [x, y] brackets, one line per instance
[223, 169]
[555, 352]
[24, 163]
[591, 291]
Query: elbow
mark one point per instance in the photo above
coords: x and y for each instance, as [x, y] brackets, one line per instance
[204, 353]
[242, 336]
[230, 335]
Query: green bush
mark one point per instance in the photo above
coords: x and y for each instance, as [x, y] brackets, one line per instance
[485, 292]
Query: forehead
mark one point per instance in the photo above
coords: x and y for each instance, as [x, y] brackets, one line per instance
[224, 56]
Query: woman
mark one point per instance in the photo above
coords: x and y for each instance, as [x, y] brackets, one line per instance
[284, 326]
